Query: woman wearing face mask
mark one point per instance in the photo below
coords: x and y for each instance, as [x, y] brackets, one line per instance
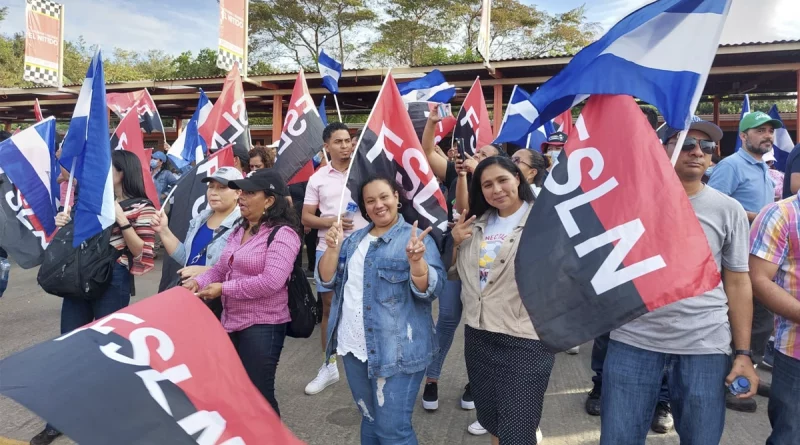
[533, 166]
[208, 233]
[385, 277]
[552, 148]
[252, 274]
[508, 366]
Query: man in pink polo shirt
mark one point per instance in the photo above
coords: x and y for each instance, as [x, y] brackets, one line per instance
[323, 193]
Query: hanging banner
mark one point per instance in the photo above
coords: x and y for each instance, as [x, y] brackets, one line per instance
[44, 42]
[484, 33]
[232, 35]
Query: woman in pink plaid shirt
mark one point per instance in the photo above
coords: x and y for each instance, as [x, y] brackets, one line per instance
[251, 277]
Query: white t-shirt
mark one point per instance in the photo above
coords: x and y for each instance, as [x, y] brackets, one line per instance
[497, 229]
[350, 332]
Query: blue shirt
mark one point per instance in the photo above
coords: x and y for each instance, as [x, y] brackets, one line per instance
[201, 240]
[792, 166]
[398, 326]
[164, 180]
[744, 179]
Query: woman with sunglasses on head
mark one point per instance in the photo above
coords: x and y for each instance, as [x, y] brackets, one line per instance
[507, 365]
[132, 235]
[252, 275]
[385, 277]
[208, 233]
[533, 167]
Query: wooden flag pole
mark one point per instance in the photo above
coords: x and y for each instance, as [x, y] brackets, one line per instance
[69, 185]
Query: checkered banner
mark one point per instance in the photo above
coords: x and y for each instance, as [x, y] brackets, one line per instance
[43, 42]
[232, 34]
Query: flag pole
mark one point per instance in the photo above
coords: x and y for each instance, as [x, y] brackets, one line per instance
[69, 184]
[678, 147]
[336, 101]
[360, 140]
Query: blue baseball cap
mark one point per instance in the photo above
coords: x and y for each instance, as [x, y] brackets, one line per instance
[160, 156]
[714, 132]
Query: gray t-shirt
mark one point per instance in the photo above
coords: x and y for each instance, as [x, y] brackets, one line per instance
[698, 325]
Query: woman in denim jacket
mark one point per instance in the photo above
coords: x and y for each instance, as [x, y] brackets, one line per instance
[385, 277]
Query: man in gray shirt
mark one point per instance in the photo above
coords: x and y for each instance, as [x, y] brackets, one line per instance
[688, 340]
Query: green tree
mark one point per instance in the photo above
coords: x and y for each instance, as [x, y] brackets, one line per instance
[203, 65]
[414, 32]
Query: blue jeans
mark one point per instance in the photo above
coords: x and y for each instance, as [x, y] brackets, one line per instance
[784, 400]
[386, 404]
[599, 349]
[259, 348]
[632, 378]
[450, 308]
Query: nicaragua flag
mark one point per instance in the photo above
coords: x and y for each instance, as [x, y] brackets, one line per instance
[516, 126]
[322, 113]
[745, 111]
[86, 152]
[430, 88]
[330, 70]
[644, 55]
[29, 160]
[782, 145]
[190, 146]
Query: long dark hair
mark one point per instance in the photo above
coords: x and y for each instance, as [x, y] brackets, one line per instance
[477, 203]
[378, 177]
[132, 179]
[279, 214]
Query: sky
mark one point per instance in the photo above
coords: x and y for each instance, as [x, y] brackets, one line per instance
[175, 26]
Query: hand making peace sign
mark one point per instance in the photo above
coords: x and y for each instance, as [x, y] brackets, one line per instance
[415, 249]
[463, 229]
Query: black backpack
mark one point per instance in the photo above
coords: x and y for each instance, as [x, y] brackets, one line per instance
[304, 308]
[82, 273]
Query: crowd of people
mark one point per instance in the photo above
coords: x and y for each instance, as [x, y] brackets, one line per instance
[378, 276]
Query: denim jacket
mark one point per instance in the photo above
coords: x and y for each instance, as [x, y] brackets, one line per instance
[398, 325]
[181, 254]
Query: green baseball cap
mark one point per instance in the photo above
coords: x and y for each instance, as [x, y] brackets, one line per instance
[757, 119]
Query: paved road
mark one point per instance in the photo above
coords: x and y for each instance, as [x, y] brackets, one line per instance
[28, 316]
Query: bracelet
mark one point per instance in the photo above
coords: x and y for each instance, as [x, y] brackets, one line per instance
[125, 227]
[745, 352]
[420, 276]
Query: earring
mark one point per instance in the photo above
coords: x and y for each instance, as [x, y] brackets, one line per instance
[399, 205]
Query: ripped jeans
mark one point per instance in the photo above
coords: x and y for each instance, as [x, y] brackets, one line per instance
[386, 404]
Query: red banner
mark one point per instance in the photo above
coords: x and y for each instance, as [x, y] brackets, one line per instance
[232, 34]
[162, 371]
[473, 124]
[128, 137]
[44, 42]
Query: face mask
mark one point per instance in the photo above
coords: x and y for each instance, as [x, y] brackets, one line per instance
[554, 155]
[154, 163]
[709, 170]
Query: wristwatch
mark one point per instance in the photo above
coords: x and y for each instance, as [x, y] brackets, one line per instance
[746, 352]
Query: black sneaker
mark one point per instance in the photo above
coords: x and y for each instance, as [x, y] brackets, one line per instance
[430, 398]
[467, 402]
[764, 388]
[46, 437]
[741, 405]
[662, 419]
[593, 401]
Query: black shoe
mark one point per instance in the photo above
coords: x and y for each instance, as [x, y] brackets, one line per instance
[764, 388]
[46, 437]
[430, 398]
[593, 401]
[662, 419]
[741, 405]
[467, 402]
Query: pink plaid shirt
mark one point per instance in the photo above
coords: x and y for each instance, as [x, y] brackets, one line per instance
[254, 278]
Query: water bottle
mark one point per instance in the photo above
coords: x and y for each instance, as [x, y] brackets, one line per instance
[350, 211]
[5, 268]
[740, 385]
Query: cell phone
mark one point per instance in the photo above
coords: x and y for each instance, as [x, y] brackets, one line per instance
[461, 150]
[445, 110]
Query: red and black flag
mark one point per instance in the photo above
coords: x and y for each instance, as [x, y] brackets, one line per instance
[21, 233]
[128, 137]
[141, 102]
[612, 236]
[472, 123]
[189, 201]
[389, 146]
[301, 137]
[161, 371]
[419, 112]
[227, 122]
[37, 111]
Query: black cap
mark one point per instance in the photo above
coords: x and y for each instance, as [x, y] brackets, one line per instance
[265, 179]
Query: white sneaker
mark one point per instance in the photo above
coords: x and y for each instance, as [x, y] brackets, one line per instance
[476, 429]
[539, 436]
[574, 351]
[328, 375]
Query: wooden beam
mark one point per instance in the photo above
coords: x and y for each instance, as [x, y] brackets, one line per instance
[497, 74]
[716, 110]
[277, 116]
[797, 139]
[498, 108]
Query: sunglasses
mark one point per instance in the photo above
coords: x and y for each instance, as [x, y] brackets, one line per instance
[708, 147]
[519, 161]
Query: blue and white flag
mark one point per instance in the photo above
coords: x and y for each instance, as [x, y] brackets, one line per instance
[190, 146]
[745, 111]
[29, 160]
[516, 126]
[87, 148]
[430, 88]
[330, 70]
[644, 55]
[782, 145]
[322, 114]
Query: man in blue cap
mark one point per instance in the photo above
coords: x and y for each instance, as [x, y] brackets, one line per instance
[163, 178]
